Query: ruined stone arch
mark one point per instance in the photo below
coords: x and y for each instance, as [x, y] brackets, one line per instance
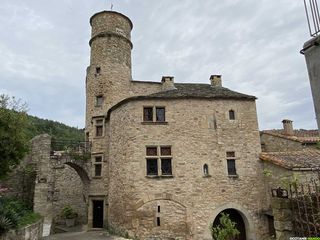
[247, 218]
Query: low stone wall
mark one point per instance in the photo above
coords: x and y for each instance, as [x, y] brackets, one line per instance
[30, 232]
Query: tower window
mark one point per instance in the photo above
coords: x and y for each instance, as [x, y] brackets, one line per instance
[158, 209]
[99, 101]
[97, 164]
[158, 221]
[205, 170]
[232, 115]
[231, 163]
[98, 70]
[99, 128]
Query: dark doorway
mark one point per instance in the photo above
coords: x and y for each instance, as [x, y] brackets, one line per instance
[97, 221]
[235, 216]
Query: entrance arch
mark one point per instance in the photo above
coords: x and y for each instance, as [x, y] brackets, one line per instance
[246, 217]
[235, 217]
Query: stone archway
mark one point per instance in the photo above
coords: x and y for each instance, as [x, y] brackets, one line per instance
[52, 166]
[245, 215]
[235, 217]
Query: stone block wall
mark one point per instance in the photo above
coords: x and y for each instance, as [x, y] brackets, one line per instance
[278, 144]
[197, 136]
[281, 208]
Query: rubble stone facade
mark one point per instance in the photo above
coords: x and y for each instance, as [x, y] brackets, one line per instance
[211, 132]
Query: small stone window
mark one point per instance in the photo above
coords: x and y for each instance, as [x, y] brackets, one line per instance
[97, 166]
[154, 114]
[99, 128]
[158, 222]
[98, 70]
[160, 114]
[232, 115]
[205, 170]
[231, 163]
[148, 114]
[159, 161]
[99, 101]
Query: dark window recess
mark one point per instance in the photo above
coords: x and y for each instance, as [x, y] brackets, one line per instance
[97, 170]
[98, 159]
[98, 70]
[205, 169]
[152, 167]
[231, 154]
[165, 151]
[158, 221]
[99, 101]
[148, 114]
[158, 208]
[99, 131]
[231, 167]
[166, 168]
[232, 115]
[151, 151]
[160, 114]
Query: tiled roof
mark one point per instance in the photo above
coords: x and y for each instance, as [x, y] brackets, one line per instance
[293, 160]
[301, 135]
[191, 90]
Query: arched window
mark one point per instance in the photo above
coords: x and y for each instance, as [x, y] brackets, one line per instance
[206, 170]
[232, 115]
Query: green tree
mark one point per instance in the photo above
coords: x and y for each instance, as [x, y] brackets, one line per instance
[13, 141]
[226, 230]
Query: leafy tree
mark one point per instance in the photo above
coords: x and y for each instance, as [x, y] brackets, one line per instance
[13, 141]
[226, 230]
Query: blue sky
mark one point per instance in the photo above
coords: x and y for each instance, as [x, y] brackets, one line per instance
[254, 45]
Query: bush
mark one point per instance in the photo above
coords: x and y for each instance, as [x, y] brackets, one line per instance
[68, 212]
[226, 230]
[14, 213]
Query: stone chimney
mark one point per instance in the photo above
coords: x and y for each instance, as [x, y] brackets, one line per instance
[216, 81]
[167, 83]
[287, 127]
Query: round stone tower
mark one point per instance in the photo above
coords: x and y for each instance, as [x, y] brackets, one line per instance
[109, 73]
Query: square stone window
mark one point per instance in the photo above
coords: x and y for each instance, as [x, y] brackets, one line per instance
[147, 114]
[99, 101]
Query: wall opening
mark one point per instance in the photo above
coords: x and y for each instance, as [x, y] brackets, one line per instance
[97, 212]
[236, 217]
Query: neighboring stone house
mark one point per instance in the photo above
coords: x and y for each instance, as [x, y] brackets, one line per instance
[288, 139]
[167, 158]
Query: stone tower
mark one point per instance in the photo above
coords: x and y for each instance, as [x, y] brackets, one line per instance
[109, 74]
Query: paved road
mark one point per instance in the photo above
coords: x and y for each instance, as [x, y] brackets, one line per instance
[92, 235]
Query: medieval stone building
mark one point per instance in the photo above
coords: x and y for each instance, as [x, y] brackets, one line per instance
[167, 158]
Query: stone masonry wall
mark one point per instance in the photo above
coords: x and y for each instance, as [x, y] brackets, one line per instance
[197, 136]
[278, 144]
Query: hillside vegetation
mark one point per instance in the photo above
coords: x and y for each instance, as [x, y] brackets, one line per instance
[57, 130]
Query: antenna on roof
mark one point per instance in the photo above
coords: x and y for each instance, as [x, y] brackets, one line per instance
[313, 16]
[111, 7]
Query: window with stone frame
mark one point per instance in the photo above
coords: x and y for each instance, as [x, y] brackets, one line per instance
[232, 115]
[159, 161]
[99, 100]
[231, 163]
[99, 127]
[97, 166]
[154, 114]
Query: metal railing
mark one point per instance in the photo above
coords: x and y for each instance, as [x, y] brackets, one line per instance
[70, 146]
[313, 16]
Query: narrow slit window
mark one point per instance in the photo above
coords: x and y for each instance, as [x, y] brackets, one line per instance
[158, 221]
[97, 170]
[205, 169]
[158, 209]
[231, 167]
[232, 115]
